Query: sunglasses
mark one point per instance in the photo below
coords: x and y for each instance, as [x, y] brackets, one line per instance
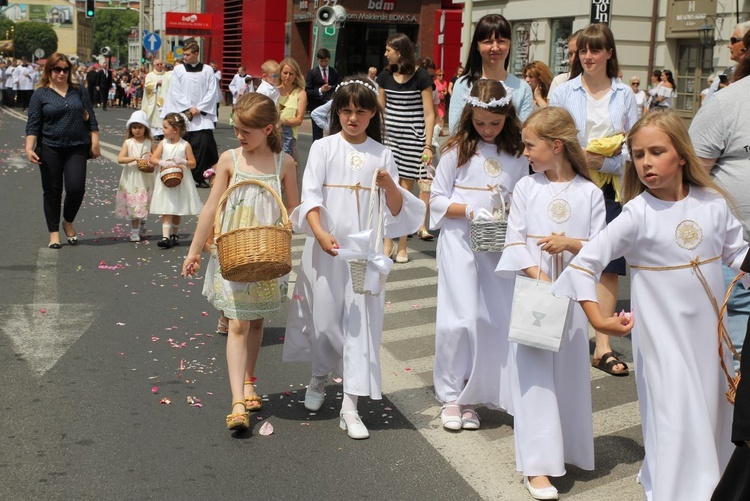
[734, 40]
[60, 69]
[635, 83]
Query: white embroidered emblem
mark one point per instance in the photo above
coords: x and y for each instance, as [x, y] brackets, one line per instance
[688, 234]
[559, 210]
[355, 160]
[493, 167]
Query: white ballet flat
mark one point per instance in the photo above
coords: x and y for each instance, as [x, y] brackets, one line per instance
[314, 400]
[452, 423]
[542, 493]
[469, 419]
[356, 430]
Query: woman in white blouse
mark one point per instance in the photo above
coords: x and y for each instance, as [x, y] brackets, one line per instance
[640, 96]
[666, 92]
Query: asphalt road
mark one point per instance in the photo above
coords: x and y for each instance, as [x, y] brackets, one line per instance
[94, 338]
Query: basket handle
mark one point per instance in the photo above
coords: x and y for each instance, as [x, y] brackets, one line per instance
[371, 209]
[502, 204]
[225, 196]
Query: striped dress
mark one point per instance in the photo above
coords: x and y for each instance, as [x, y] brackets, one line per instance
[404, 120]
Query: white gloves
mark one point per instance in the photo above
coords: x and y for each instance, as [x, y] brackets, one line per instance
[165, 163]
[473, 213]
[180, 161]
[497, 197]
[483, 214]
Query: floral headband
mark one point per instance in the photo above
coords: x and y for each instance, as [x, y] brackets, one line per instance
[493, 103]
[359, 82]
[184, 118]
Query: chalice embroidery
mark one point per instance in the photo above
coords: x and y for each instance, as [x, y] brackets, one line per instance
[688, 234]
[493, 167]
[559, 210]
[538, 316]
[355, 160]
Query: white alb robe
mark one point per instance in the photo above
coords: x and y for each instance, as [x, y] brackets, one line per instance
[24, 77]
[473, 304]
[328, 325]
[193, 89]
[155, 87]
[553, 420]
[685, 416]
[238, 86]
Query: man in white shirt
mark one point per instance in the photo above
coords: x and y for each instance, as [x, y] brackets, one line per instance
[193, 90]
[241, 83]
[217, 75]
[24, 77]
[737, 51]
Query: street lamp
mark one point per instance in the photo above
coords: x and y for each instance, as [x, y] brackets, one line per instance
[706, 32]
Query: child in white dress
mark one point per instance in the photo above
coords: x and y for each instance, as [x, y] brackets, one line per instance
[135, 188]
[328, 325]
[676, 230]
[181, 200]
[259, 157]
[553, 213]
[473, 304]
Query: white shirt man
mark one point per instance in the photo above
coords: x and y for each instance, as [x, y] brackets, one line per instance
[737, 51]
[242, 83]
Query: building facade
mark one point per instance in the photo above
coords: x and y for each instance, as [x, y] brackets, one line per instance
[650, 34]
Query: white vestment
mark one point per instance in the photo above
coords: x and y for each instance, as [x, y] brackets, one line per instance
[193, 89]
[328, 325]
[685, 416]
[25, 77]
[155, 89]
[473, 304]
[238, 86]
[551, 391]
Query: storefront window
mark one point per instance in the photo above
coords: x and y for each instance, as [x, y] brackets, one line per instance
[561, 31]
[521, 45]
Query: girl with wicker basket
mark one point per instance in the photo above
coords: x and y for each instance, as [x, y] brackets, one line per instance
[482, 158]
[258, 158]
[676, 229]
[329, 325]
[553, 213]
[172, 197]
[137, 180]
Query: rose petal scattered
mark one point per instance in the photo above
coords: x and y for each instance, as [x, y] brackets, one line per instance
[297, 297]
[305, 424]
[266, 429]
[155, 389]
[204, 314]
[165, 401]
[42, 311]
[337, 380]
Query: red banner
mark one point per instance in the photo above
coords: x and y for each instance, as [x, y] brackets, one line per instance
[188, 21]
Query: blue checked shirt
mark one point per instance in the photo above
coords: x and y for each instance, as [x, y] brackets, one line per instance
[622, 111]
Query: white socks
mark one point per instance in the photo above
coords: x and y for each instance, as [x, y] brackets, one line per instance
[349, 403]
[318, 383]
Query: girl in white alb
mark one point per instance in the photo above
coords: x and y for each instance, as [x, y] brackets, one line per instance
[180, 200]
[328, 325]
[135, 187]
[554, 212]
[675, 230]
[473, 305]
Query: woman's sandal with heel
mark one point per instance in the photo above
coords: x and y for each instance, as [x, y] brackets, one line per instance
[254, 403]
[238, 420]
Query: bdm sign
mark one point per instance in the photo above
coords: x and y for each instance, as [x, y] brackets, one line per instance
[188, 23]
[600, 11]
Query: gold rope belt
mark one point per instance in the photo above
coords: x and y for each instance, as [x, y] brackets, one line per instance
[356, 188]
[694, 263]
[489, 187]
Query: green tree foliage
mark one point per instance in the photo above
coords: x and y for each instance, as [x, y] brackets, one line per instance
[32, 36]
[5, 25]
[111, 29]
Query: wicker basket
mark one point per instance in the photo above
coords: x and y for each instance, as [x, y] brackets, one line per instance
[257, 253]
[358, 267]
[489, 236]
[171, 176]
[732, 380]
[144, 165]
[424, 183]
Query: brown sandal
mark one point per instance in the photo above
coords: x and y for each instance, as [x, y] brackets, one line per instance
[607, 363]
[238, 420]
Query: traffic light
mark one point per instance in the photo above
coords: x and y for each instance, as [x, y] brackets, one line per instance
[90, 4]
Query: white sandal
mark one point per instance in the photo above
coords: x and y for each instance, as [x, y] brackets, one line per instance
[449, 422]
[469, 419]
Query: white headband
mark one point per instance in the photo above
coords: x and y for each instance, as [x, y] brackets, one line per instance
[360, 82]
[184, 117]
[494, 103]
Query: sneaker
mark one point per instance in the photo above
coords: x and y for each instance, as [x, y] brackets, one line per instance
[135, 236]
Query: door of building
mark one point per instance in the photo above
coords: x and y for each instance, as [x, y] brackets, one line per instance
[695, 64]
